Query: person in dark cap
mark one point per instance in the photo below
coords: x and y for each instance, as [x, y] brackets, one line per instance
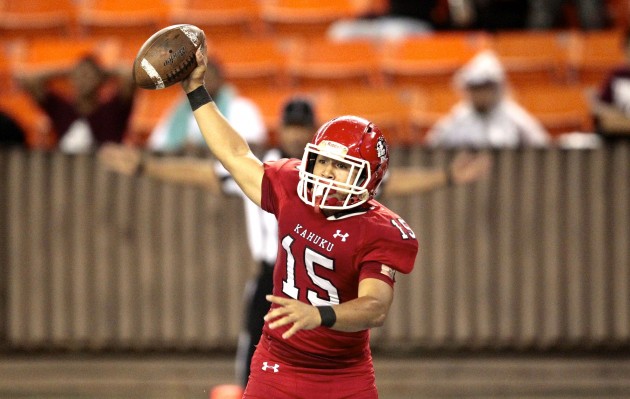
[298, 112]
[297, 127]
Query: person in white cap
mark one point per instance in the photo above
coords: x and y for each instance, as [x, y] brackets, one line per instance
[487, 117]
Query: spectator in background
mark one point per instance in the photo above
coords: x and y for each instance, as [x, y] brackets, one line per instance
[98, 111]
[486, 117]
[178, 130]
[11, 133]
[547, 14]
[611, 106]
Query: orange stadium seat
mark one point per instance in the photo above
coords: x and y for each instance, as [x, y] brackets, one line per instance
[219, 19]
[429, 60]
[7, 48]
[305, 18]
[592, 55]
[532, 56]
[20, 18]
[251, 63]
[126, 54]
[320, 63]
[389, 108]
[6, 75]
[560, 108]
[121, 17]
[54, 53]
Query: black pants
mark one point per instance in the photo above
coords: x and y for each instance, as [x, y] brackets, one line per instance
[256, 307]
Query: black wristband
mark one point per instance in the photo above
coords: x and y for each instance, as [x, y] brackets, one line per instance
[199, 97]
[328, 315]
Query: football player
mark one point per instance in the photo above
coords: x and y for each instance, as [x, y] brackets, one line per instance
[338, 252]
[297, 126]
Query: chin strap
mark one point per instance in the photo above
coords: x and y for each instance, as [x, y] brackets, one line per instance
[330, 202]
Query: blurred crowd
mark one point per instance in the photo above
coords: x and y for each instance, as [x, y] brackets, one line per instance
[95, 103]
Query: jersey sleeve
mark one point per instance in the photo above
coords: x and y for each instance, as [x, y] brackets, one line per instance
[392, 243]
[274, 185]
[378, 271]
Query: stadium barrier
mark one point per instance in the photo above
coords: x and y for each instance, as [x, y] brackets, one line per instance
[535, 257]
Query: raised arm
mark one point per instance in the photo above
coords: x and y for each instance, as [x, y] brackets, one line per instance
[35, 83]
[224, 142]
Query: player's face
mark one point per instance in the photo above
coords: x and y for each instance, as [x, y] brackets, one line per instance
[333, 169]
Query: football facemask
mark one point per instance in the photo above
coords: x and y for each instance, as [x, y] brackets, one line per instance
[357, 146]
[324, 193]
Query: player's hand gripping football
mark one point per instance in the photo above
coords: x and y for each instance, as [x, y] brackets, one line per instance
[196, 77]
[299, 315]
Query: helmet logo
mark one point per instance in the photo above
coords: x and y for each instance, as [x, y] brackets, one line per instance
[381, 149]
[332, 148]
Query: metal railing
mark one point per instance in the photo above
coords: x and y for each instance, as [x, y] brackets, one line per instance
[536, 256]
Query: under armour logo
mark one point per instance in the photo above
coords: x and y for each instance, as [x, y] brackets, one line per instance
[266, 366]
[343, 236]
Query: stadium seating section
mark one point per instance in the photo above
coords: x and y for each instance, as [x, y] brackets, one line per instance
[271, 49]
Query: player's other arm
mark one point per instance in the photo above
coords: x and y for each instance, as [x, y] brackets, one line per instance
[368, 310]
[224, 142]
[36, 83]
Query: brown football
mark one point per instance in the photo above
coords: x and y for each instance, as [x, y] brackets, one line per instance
[167, 57]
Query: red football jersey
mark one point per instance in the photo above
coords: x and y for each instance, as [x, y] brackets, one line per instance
[321, 261]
